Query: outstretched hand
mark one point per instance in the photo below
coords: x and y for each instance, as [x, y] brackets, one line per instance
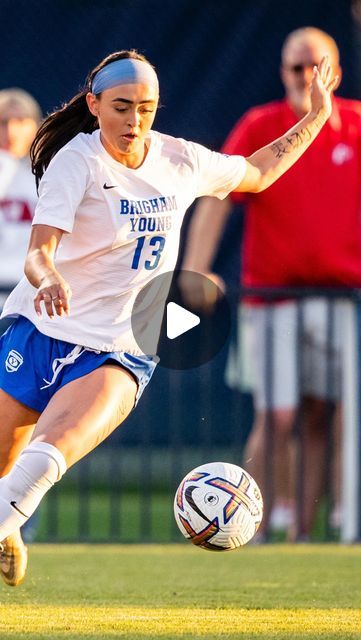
[322, 86]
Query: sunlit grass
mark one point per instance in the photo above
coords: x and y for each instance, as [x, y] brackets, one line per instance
[147, 622]
[178, 591]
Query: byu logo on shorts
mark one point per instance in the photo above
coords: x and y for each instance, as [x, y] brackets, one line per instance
[13, 361]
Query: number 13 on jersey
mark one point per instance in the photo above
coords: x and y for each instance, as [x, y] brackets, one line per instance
[143, 243]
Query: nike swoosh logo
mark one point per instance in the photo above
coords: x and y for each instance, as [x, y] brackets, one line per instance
[14, 505]
[109, 186]
[189, 498]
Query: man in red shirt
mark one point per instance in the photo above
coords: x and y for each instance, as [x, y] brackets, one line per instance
[302, 231]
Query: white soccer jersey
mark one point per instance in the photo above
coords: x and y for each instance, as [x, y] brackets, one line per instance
[121, 229]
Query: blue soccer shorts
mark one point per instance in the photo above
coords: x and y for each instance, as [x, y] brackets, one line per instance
[34, 366]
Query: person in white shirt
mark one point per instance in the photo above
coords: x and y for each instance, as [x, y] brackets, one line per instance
[20, 117]
[113, 194]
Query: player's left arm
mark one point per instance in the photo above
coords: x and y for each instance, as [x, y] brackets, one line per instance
[41, 272]
[268, 164]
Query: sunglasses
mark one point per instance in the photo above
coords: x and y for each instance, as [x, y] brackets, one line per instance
[299, 68]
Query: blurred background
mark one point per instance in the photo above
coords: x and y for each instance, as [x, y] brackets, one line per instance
[215, 60]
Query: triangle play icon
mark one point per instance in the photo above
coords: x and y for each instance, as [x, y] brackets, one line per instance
[179, 320]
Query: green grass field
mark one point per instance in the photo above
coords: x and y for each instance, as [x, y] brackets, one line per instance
[156, 516]
[178, 591]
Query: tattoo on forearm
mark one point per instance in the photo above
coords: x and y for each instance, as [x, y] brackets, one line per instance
[290, 142]
[297, 138]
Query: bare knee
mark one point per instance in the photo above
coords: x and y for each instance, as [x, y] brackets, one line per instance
[104, 398]
[281, 422]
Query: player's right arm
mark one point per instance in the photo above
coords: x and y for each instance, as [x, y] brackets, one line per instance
[208, 221]
[41, 272]
[206, 227]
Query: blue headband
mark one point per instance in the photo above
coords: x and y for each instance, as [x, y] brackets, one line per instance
[125, 71]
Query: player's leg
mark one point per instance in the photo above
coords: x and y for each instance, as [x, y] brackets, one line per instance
[17, 426]
[86, 411]
[80, 415]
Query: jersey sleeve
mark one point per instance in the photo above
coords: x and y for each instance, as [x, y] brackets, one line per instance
[61, 190]
[218, 173]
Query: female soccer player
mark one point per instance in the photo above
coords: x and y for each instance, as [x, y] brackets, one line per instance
[113, 194]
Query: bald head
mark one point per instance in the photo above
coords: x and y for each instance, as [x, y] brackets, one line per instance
[301, 50]
[311, 37]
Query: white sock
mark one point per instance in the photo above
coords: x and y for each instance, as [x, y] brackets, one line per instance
[38, 467]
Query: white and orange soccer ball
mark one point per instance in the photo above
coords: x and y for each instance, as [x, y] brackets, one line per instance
[218, 506]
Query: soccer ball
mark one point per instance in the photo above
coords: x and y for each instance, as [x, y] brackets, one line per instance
[218, 506]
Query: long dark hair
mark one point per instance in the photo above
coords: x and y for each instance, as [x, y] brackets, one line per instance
[72, 118]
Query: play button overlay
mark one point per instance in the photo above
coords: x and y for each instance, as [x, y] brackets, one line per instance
[179, 320]
[182, 317]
